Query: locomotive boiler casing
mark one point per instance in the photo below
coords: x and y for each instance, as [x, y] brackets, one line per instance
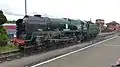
[33, 23]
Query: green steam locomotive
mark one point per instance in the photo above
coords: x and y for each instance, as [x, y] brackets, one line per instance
[37, 31]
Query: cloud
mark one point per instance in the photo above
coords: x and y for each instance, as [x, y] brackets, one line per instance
[77, 9]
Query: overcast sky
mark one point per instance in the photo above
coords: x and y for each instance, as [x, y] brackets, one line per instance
[77, 9]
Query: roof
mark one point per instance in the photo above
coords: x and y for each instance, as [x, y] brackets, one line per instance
[8, 24]
[10, 27]
[112, 23]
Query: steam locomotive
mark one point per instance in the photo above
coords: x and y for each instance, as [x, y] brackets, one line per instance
[37, 31]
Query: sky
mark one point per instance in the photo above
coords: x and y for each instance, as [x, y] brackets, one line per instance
[108, 10]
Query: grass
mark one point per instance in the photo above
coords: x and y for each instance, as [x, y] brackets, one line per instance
[7, 48]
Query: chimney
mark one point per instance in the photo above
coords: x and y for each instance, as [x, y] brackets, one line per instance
[37, 16]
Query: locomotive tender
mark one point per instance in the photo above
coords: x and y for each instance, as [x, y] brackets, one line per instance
[37, 31]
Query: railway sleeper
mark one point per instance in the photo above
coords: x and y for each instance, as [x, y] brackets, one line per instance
[9, 57]
[9, 52]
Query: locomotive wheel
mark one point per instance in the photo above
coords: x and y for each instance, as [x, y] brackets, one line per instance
[44, 47]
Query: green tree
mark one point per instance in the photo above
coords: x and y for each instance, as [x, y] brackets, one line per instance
[3, 18]
[3, 33]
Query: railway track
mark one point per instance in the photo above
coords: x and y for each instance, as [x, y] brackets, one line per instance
[9, 55]
[16, 54]
[93, 41]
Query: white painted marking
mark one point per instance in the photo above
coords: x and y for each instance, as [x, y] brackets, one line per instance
[71, 52]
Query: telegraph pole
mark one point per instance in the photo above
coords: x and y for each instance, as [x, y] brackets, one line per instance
[25, 7]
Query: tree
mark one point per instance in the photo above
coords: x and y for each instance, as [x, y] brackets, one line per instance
[3, 33]
[3, 18]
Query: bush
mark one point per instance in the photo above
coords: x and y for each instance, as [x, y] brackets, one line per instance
[3, 37]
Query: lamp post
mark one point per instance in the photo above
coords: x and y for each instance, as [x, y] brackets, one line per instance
[25, 7]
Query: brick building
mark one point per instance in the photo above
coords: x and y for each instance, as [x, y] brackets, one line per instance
[113, 26]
